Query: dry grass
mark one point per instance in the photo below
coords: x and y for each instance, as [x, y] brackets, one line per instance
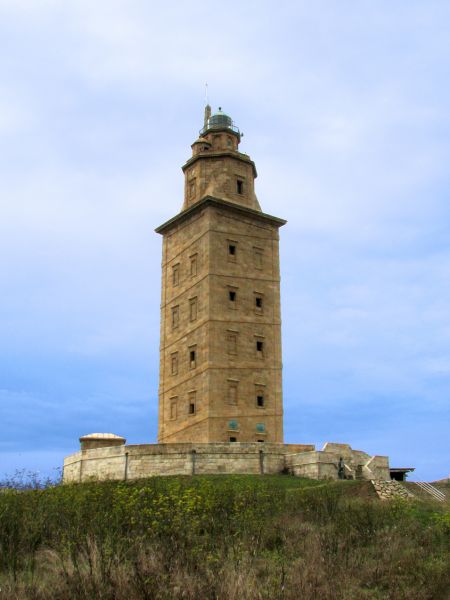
[220, 539]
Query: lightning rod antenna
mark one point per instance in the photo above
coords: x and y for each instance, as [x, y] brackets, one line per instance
[207, 107]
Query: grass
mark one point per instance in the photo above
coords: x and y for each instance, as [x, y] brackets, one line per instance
[223, 537]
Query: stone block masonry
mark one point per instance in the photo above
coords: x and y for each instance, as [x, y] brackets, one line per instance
[391, 490]
[220, 369]
[127, 462]
[220, 351]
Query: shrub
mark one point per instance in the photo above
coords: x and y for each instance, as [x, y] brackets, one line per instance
[223, 537]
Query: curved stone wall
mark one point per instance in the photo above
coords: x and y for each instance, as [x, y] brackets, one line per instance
[123, 462]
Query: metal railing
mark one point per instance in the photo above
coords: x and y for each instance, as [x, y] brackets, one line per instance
[430, 489]
[232, 127]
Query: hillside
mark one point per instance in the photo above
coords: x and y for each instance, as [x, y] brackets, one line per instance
[223, 537]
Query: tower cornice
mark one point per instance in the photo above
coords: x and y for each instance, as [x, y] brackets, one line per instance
[218, 203]
[220, 154]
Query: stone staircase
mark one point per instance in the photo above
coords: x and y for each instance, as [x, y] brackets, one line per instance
[391, 490]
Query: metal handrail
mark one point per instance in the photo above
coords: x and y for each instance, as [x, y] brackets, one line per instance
[433, 489]
[430, 489]
[218, 126]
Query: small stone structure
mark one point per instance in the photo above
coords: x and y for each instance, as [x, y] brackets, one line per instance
[121, 462]
[101, 440]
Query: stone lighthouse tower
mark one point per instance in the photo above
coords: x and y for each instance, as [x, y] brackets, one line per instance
[220, 352]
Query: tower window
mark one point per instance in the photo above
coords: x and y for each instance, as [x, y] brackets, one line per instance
[232, 343]
[260, 400]
[233, 439]
[175, 275]
[173, 407]
[258, 303]
[259, 346]
[193, 265]
[232, 297]
[192, 188]
[192, 357]
[240, 186]
[192, 309]
[174, 363]
[175, 316]
[233, 392]
[232, 250]
[258, 254]
[192, 403]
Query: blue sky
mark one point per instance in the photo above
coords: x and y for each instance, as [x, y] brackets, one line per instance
[345, 110]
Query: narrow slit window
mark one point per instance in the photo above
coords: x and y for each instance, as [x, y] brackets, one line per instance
[193, 309]
[258, 304]
[259, 348]
[194, 265]
[232, 343]
[174, 363]
[175, 316]
[232, 393]
[260, 400]
[232, 295]
[192, 358]
[232, 250]
[192, 403]
[258, 258]
[173, 408]
[175, 275]
[240, 186]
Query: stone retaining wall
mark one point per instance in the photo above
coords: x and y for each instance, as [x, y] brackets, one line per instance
[390, 490]
[123, 462]
[146, 460]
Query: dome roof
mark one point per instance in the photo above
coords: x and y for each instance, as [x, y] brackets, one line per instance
[101, 436]
[220, 120]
